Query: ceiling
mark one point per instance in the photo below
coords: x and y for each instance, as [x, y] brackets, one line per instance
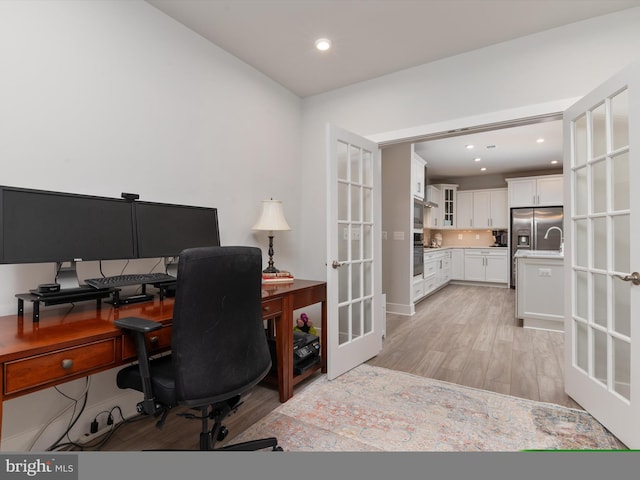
[501, 152]
[376, 37]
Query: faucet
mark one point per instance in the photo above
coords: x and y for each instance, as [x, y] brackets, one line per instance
[561, 236]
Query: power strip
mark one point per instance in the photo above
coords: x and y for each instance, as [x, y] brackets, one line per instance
[88, 437]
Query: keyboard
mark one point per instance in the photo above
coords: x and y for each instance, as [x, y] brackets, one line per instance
[130, 279]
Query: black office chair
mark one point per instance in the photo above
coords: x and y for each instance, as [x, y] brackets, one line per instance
[219, 348]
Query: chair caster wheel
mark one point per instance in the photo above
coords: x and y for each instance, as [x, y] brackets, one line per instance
[277, 449]
[222, 434]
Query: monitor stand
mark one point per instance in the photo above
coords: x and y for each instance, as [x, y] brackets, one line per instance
[67, 278]
[171, 266]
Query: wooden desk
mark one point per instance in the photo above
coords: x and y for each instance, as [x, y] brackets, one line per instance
[70, 343]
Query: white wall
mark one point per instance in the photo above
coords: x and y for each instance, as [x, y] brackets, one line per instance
[545, 68]
[104, 97]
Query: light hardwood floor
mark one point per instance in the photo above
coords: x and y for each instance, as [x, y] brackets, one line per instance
[462, 334]
[469, 335]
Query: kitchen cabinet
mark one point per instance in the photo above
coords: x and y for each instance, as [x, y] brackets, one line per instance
[464, 209]
[539, 290]
[433, 213]
[418, 288]
[544, 190]
[457, 264]
[490, 208]
[437, 270]
[417, 176]
[482, 209]
[486, 265]
[446, 206]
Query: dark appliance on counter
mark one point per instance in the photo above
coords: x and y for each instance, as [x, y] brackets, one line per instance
[501, 238]
[418, 254]
[528, 229]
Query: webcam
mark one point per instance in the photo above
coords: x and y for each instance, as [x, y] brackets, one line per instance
[130, 196]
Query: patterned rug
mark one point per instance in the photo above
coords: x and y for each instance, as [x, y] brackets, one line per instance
[376, 409]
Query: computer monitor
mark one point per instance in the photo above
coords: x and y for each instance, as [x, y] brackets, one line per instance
[38, 226]
[164, 230]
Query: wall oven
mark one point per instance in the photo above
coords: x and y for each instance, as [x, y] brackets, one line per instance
[418, 214]
[418, 254]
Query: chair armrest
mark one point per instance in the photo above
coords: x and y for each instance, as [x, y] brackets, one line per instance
[137, 324]
[139, 327]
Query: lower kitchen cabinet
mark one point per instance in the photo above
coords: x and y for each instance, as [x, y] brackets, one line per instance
[539, 291]
[437, 270]
[457, 264]
[486, 265]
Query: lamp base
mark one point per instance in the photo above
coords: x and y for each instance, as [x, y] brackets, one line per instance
[271, 269]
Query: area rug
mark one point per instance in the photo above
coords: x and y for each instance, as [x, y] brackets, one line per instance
[375, 409]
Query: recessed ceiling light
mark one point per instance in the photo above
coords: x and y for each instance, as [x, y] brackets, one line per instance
[483, 169]
[540, 140]
[468, 147]
[553, 162]
[323, 44]
[477, 159]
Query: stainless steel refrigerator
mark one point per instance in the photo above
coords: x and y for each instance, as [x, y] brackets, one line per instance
[528, 229]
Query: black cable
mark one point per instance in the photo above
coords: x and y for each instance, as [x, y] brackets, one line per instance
[72, 421]
[107, 435]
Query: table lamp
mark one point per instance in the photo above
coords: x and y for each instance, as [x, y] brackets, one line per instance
[271, 219]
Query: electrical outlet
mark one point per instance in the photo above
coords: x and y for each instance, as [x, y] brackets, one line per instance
[88, 437]
[459, 236]
[477, 236]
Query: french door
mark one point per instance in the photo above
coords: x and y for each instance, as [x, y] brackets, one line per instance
[602, 259]
[354, 266]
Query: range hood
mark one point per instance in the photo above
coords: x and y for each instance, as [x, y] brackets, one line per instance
[428, 202]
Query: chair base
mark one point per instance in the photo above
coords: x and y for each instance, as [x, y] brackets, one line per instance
[252, 445]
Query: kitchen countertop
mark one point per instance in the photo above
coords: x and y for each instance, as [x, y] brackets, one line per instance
[548, 254]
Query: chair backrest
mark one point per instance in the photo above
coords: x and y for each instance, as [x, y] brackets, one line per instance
[219, 345]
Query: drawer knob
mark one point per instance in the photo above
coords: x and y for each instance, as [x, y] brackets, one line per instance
[154, 341]
[266, 309]
[67, 363]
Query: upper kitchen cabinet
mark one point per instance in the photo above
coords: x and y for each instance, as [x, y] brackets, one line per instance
[417, 176]
[490, 208]
[482, 208]
[434, 215]
[545, 190]
[447, 205]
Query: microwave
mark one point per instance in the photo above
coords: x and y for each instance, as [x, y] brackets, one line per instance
[418, 214]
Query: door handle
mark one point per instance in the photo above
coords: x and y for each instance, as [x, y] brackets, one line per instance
[336, 264]
[633, 278]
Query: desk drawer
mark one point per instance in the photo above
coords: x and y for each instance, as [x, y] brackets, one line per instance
[55, 366]
[157, 341]
[272, 307]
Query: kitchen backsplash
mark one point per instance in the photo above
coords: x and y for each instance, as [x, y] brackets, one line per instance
[462, 238]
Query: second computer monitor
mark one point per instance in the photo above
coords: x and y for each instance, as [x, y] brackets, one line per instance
[164, 230]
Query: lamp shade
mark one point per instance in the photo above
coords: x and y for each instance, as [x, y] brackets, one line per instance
[271, 217]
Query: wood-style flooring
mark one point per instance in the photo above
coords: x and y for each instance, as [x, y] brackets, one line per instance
[469, 335]
[461, 334]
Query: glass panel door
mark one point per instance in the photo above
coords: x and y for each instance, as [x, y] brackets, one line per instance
[354, 266]
[602, 310]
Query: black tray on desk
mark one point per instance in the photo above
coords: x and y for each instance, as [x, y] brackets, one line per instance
[63, 296]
